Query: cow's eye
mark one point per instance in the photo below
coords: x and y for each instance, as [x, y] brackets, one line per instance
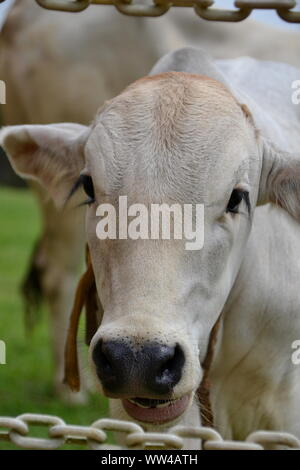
[236, 198]
[88, 187]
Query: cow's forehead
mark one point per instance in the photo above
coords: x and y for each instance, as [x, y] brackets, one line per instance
[177, 131]
[178, 89]
[184, 80]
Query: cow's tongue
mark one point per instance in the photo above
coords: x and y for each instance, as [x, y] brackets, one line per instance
[157, 412]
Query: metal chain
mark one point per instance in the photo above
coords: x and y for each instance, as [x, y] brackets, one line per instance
[203, 8]
[16, 430]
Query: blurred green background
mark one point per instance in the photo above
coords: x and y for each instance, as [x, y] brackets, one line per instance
[26, 379]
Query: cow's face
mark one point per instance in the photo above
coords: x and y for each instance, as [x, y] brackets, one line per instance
[173, 139]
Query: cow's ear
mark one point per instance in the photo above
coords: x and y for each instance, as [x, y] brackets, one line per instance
[51, 154]
[280, 179]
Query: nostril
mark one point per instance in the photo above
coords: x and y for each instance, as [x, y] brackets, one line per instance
[113, 360]
[174, 362]
[101, 359]
[170, 371]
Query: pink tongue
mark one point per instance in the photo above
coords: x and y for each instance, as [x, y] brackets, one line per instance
[157, 415]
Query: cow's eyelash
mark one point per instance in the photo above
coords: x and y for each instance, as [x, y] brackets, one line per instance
[237, 196]
[75, 187]
[246, 198]
[87, 202]
[86, 182]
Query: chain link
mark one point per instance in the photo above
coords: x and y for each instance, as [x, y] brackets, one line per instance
[28, 442]
[16, 430]
[203, 8]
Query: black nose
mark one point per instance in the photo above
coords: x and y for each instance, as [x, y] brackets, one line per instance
[126, 370]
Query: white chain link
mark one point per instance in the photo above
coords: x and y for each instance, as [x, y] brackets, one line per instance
[203, 8]
[16, 430]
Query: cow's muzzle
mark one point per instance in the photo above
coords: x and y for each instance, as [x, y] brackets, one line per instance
[148, 370]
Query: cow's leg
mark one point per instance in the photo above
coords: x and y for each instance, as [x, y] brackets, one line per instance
[57, 260]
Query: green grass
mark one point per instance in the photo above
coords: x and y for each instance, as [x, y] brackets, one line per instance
[26, 379]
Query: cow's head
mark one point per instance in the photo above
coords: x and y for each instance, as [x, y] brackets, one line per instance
[171, 138]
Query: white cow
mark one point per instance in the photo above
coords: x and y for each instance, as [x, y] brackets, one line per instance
[61, 67]
[225, 134]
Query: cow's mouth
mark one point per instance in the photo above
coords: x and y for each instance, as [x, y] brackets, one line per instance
[156, 411]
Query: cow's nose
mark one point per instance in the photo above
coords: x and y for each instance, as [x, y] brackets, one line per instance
[126, 370]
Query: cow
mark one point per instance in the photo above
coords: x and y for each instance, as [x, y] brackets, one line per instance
[60, 67]
[224, 134]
